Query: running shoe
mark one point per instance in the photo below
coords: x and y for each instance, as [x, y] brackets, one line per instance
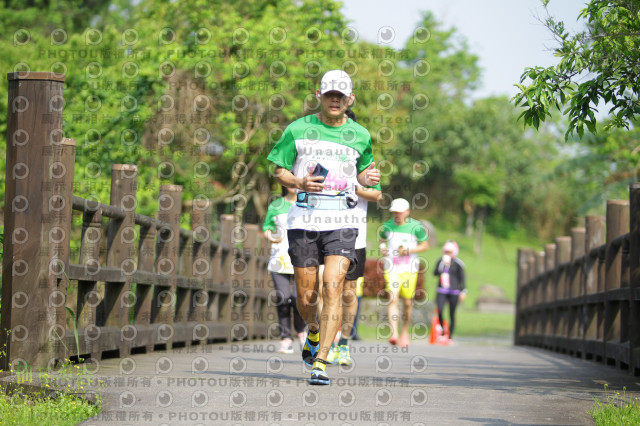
[334, 355]
[344, 357]
[393, 340]
[309, 352]
[286, 346]
[319, 377]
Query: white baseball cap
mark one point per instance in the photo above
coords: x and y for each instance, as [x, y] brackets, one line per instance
[337, 80]
[399, 205]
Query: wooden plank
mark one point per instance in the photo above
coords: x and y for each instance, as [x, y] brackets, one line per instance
[618, 294]
[104, 274]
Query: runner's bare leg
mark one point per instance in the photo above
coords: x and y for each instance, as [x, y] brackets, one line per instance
[393, 313]
[349, 307]
[335, 269]
[406, 315]
[307, 299]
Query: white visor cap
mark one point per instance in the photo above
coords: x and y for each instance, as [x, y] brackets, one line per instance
[399, 205]
[336, 80]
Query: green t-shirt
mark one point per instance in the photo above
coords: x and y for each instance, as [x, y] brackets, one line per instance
[407, 235]
[344, 150]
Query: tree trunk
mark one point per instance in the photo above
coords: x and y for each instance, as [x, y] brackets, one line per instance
[469, 211]
[477, 246]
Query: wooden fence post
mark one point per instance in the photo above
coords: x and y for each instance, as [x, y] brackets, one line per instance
[224, 275]
[617, 225]
[164, 298]
[563, 256]
[549, 295]
[88, 297]
[262, 314]
[522, 281]
[121, 233]
[183, 331]
[594, 310]
[538, 297]
[578, 236]
[574, 291]
[201, 212]
[144, 294]
[540, 262]
[61, 203]
[634, 278]
[247, 281]
[550, 264]
[29, 277]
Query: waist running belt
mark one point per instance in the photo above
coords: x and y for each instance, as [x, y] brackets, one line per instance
[341, 201]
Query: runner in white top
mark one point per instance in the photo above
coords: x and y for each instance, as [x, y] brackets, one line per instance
[275, 230]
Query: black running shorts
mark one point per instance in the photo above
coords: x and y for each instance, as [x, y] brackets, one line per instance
[356, 270]
[308, 248]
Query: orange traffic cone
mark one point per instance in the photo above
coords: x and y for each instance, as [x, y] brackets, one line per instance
[436, 333]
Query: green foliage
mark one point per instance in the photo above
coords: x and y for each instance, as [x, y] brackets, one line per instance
[42, 410]
[159, 84]
[597, 65]
[52, 404]
[619, 409]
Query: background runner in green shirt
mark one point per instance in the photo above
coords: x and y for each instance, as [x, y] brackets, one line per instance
[401, 238]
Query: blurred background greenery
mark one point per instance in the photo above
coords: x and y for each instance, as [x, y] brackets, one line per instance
[197, 92]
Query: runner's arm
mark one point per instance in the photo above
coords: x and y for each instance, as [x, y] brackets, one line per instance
[269, 236]
[369, 176]
[423, 246]
[309, 183]
[368, 194]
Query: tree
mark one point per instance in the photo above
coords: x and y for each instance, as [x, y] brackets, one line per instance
[442, 72]
[598, 65]
[157, 83]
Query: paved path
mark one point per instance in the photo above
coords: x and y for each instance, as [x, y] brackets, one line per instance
[472, 382]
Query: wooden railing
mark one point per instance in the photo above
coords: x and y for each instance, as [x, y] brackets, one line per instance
[148, 285]
[581, 295]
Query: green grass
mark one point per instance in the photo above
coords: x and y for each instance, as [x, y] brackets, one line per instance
[469, 323]
[44, 411]
[472, 323]
[619, 409]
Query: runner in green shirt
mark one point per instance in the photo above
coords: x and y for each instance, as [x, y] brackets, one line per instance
[323, 156]
[400, 239]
